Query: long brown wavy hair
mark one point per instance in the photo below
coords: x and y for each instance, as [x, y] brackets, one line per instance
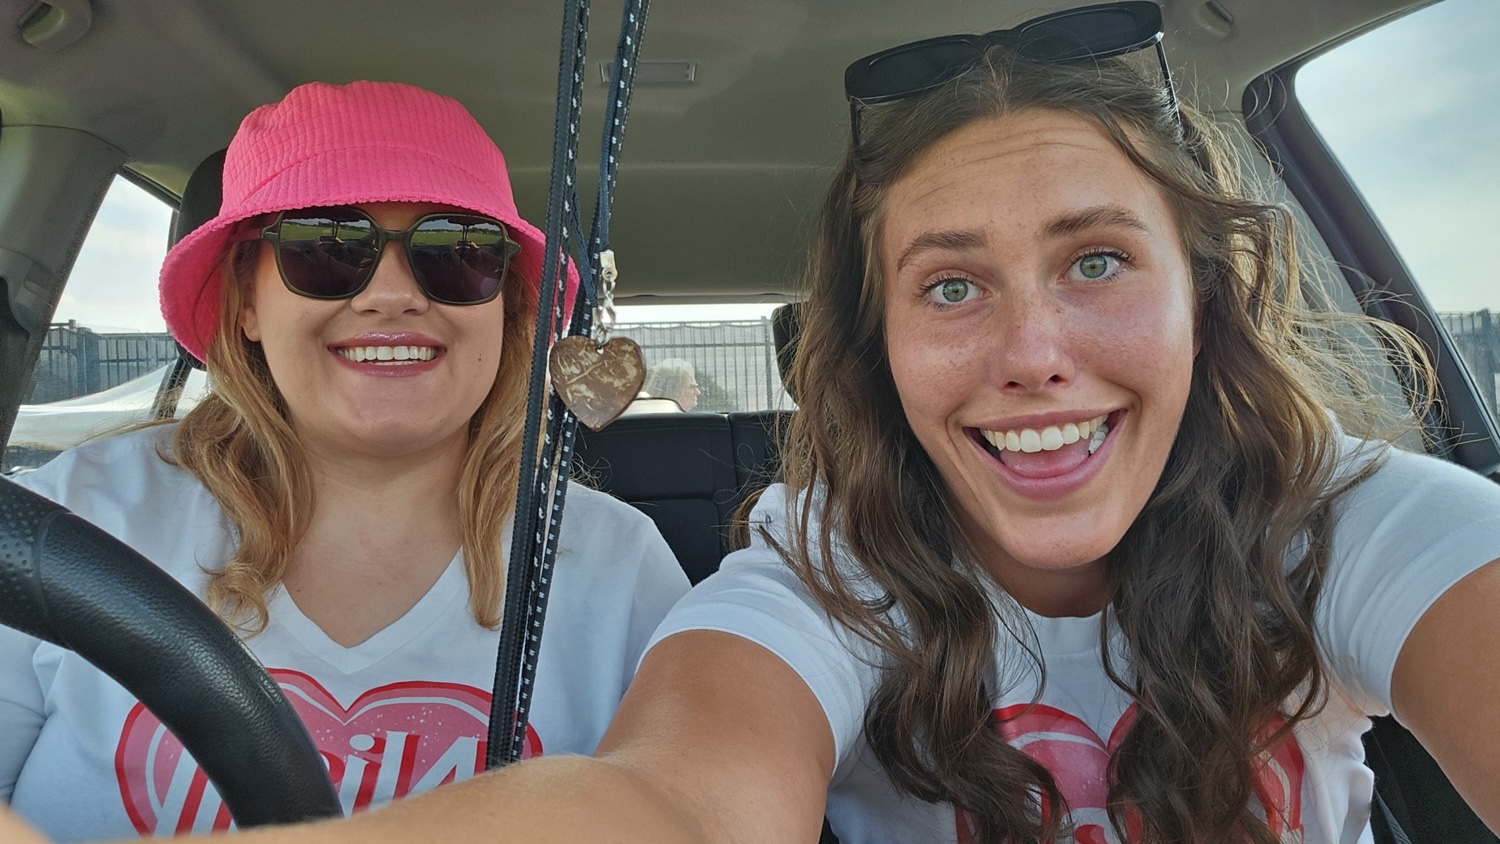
[1213, 588]
[239, 444]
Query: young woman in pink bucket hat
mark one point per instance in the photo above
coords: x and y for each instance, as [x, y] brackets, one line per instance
[364, 305]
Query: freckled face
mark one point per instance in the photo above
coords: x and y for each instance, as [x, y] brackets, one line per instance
[1039, 322]
[429, 365]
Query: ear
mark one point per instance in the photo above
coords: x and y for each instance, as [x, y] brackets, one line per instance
[250, 323]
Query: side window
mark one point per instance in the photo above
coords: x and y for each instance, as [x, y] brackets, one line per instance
[1412, 111]
[104, 353]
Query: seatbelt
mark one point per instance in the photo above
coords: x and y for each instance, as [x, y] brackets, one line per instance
[1413, 795]
[169, 392]
[1383, 824]
[546, 459]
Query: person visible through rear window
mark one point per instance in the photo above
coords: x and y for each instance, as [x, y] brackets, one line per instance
[675, 379]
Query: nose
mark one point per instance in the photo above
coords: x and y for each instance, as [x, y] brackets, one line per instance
[1032, 334]
[393, 289]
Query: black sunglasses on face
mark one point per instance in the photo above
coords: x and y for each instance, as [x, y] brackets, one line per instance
[1089, 33]
[331, 253]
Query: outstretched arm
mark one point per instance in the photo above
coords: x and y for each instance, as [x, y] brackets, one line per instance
[1446, 688]
[13, 831]
[717, 740]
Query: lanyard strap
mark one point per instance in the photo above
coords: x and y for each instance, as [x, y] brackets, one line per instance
[543, 484]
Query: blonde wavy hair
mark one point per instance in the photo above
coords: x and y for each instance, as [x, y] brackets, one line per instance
[239, 444]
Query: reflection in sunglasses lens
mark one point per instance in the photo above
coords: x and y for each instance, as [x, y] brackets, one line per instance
[331, 252]
[326, 256]
[460, 259]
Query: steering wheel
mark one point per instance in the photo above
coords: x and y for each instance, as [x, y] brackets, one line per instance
[67, 582]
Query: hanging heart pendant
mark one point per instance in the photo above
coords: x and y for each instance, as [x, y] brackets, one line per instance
[596, 382]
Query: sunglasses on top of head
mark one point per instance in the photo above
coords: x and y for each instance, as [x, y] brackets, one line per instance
[331, 253]
[1089, 33]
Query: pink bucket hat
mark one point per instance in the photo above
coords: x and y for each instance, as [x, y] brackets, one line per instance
[343, 145]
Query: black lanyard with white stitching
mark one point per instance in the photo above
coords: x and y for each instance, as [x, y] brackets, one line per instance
[543, 484]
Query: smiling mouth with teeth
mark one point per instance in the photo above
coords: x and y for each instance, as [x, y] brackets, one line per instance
[1050, 438]
[387, 354]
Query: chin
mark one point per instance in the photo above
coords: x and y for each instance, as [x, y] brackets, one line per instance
[394, 440]
[1052, 555]
[1056, 548]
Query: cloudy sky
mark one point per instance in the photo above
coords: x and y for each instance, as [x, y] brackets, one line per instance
[1412, 110]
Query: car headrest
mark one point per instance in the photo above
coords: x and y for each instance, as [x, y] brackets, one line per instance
[201, 197]
[785, 326]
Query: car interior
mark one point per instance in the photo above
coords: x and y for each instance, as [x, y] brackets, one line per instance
[737, 122]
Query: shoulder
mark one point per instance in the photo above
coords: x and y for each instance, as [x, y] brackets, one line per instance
[756, 593]
[611, 540]
[1412, 506]
[757, 596]
[128, 466]
[778, 512]
[126, 486]
[1404, 485]
[592, 515]
[1404, 535]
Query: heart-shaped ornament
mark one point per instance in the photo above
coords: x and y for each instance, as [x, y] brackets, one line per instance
[597, 383]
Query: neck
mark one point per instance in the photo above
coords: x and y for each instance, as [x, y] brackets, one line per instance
[387, 499]
[1060, 594]
[1054, 589]
[382, 532]
[1077, 591]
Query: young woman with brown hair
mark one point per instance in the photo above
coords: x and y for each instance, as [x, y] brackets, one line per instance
[1080, 547]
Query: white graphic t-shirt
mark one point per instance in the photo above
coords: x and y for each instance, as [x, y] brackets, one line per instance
[402, 712]
[1403, 537]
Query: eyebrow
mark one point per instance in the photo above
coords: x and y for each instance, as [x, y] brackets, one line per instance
[960, 240]
[1102, 216]
[956, 240]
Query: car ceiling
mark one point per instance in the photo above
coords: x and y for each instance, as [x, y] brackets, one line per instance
[719, 176]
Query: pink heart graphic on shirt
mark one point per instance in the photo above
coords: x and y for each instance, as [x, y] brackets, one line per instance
[391, 741]
[1078, 760]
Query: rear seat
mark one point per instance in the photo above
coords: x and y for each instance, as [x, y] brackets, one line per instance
[677, 468]
[689, 471]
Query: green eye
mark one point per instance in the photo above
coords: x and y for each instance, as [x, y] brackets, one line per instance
[1093, 267]
[954, 290]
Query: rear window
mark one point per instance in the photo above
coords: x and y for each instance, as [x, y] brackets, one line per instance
[728, 350]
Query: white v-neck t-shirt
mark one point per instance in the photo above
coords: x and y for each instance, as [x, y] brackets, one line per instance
[399, 713]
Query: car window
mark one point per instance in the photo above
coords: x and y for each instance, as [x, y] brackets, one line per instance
[728, 351]
[1412, 110]
[102, 359]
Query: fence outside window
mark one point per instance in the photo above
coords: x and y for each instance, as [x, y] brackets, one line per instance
[76, 361]
[1477, 336]
[735, 361]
